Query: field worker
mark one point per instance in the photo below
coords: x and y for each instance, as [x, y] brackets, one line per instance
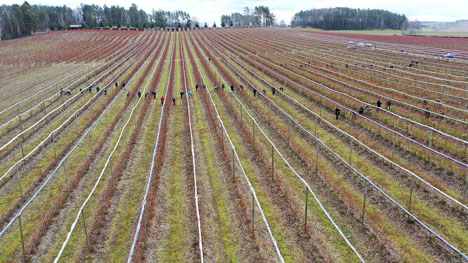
[427, 113]
[232, 88]
[204, 86]
[182, 94]
[196, 87]
[123, 85]
[139, 94]
[190, 93]
[97, 89]
[281, 89]
[173, 101]
[68, 92]
[264, 91]
[61, 91]
[90, 88]
[379, 103]
[361, 110]
[128, 95]
[216, 88]
[242, 87]
[389, 104]
[81, 90]
[255, 92]
[222, 86]
[154, 94]
[146, 95]
[425, 102]
[162, 100]
[346, 65]
[337, 112]
[105, 91]
[116, 84]
[273, 90]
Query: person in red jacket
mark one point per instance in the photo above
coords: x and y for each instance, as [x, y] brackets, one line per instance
[162, 100]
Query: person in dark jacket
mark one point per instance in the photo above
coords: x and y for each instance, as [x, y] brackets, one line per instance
[173, 101]
[255, 92]
[139, 94]
[379, 103]
[232, 88]
[196, 87]
[273, 90]
[389, 104]
[337, 112]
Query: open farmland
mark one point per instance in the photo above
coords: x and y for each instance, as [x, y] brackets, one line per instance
[244, 160]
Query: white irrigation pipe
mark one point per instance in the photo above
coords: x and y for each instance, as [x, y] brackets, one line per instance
[192, 148]
[291, 168]
[347, 54]
[377, 94]
[63, 104]
[57, 82]
[251, 188]
[70, 118]
[155, 151]
[367, 179]
[366, 91]
[57, 168]
[323, 58]
[436, 52]
[372, 121]
[37, 105]
[365, 146]
[73, 225]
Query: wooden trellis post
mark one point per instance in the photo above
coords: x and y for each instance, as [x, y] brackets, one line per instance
[55, 148]
[84, 227]
[253, 130]
[19, 181]
[253, 214]
[272, 163]
[89, 140]
[233, 167]
[66, 175]
[22, 238]
[22, 135]
[350, 142]
[411, 195]
[364, 203]
[306, 208]
[107, 125]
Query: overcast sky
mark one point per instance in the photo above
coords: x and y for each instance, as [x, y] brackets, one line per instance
[211, 10]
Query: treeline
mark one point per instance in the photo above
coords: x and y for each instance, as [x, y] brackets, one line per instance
[23, 20]
[260, 16]
[343, 18]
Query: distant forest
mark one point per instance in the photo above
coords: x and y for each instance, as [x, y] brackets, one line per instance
[343, 18]
[22, 20]
[259, 16]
